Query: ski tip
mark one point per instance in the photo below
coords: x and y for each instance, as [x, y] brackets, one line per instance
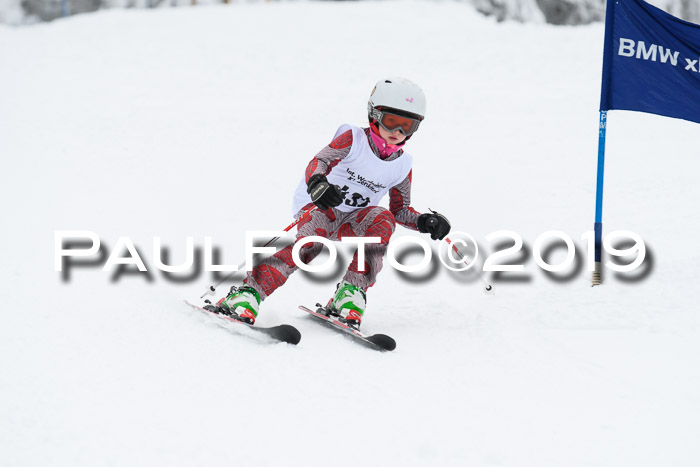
[289, 334]
[383, 341]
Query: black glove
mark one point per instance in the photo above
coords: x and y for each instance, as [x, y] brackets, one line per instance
[434, 224]
[323, 194]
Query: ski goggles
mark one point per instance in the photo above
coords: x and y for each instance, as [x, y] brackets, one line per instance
[392, 122]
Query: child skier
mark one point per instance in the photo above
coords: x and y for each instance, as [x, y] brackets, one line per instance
[346, 181]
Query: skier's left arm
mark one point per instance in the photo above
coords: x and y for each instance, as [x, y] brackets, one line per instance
[400, 204]
[432, 223]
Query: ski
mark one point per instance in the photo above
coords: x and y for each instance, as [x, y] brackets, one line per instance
[283, 332]
[376, 341]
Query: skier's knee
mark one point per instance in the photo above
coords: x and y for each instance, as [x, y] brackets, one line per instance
[383, 225]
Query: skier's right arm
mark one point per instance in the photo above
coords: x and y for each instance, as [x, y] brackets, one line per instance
[330, 156]
[323, 194]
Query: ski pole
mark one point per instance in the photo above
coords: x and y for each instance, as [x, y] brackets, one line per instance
[304, 215]
[488, 288]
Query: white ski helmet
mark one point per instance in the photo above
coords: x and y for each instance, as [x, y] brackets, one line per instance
[398, 94]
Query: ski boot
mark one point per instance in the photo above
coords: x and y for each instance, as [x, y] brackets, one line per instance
[348, 304]
[241, 303]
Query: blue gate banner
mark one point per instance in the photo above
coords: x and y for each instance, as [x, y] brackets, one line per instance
[651, 61]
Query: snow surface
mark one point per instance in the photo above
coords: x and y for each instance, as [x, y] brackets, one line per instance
[200, 122]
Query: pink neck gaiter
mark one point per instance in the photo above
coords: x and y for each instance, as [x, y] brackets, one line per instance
[385, 150]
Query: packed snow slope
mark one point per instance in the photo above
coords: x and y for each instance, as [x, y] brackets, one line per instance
[200, 122]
